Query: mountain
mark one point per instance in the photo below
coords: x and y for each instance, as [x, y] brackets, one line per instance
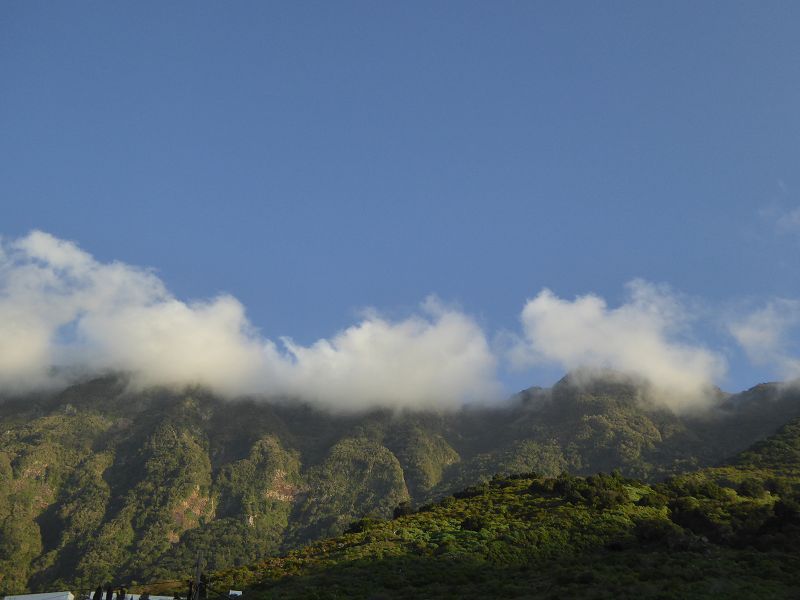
[727, 532]
[99, 483]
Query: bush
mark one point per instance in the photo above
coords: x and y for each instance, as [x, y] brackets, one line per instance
[779, 487]
[542, 487]
[657, 531]
[448, 501]
[787, 512]
[402, 509]
[361, 525]
[750, 487]
[692, 515]
[598, 491]
[653, 499]
[472, 491]
[473, 524]
[691, 487]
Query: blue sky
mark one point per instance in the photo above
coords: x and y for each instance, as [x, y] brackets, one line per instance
[316, 158]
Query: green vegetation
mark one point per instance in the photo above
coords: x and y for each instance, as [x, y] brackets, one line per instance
[99, 484]
[603, 536]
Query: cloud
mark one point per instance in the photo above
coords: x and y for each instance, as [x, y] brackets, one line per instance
[645, 336]
[63, 311]
[65, 314]
[762, 334]
[437, 357]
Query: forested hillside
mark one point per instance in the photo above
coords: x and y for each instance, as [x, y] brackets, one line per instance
[100, 484]
[728, 532]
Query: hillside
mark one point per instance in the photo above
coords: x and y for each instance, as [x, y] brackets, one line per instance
[716, 533]
[101, 484]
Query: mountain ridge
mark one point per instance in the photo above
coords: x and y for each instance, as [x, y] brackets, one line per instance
[101, 483]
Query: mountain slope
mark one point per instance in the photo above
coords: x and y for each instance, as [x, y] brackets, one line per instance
[101, 484]
[599, 537]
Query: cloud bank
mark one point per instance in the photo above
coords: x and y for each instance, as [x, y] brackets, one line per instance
[644, 336]
[65, 314]
[59, 307]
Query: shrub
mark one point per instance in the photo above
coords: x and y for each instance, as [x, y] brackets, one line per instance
[657, 531]
[779, 487]
[361, 525]
[402, 509]
[472, 491]
[653, 499]
[542, 487]
[750, 487]
[473, 524]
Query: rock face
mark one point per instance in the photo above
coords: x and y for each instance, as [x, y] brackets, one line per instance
[98, 484]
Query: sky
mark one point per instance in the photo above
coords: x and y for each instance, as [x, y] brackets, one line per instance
[349, 192]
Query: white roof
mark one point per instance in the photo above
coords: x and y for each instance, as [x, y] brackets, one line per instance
[45, 596]
[70, 596]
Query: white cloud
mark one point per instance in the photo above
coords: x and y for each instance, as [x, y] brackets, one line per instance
[123, 318]
[643, 336]
[421, 360]
[763, 336]
[64, 312]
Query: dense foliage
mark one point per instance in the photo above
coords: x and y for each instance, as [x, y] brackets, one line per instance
[100, 484]
[716, 533]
